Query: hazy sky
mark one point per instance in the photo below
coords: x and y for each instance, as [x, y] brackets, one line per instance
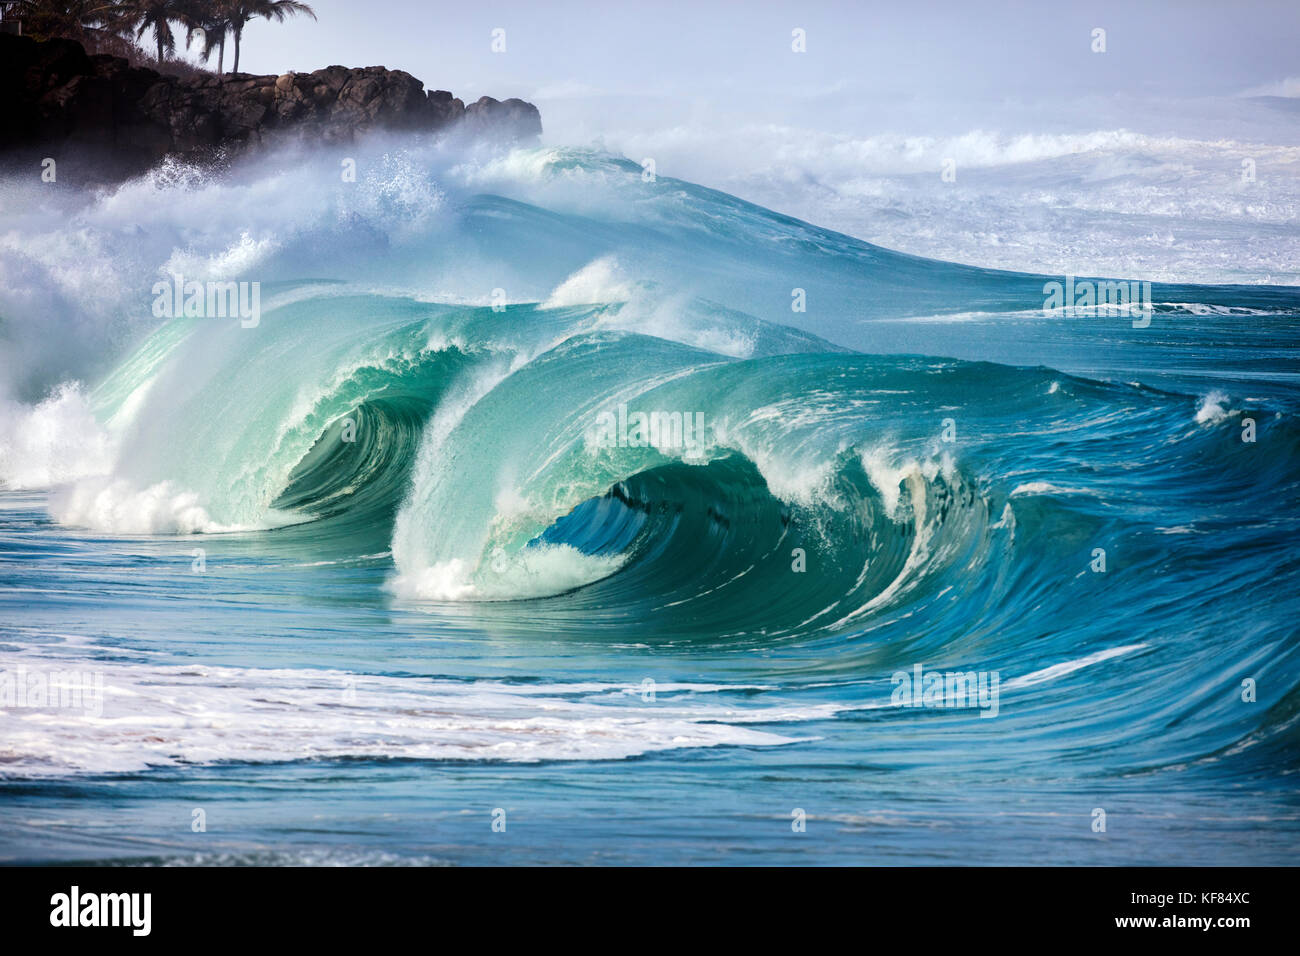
[921, 48]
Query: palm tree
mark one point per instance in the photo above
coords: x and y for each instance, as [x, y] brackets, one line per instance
[242, 11]
[158, 16]
[212, 19]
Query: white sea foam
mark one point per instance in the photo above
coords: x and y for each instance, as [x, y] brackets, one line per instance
[1047, 488]
[238, 258]
[598, 282]
[1212, 409]
[538, 571]
[1104, 201]
[1069, 667]
[158, 715]
[888, 477]
[118, 507]
[55, 441]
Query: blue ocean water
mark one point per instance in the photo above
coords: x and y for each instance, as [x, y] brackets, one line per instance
[389, 576]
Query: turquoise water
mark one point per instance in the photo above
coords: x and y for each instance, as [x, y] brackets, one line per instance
[361, 575]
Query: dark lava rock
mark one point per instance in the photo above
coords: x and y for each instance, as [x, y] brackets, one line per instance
[103, 119]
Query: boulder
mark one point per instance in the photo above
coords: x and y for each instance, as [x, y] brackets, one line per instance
[506, 119]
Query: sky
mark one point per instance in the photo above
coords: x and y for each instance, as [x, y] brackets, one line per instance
[738, 54]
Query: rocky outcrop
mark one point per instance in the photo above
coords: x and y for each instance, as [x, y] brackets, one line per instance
[113, 119]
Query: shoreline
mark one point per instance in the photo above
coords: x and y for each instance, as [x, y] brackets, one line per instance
[103, 120]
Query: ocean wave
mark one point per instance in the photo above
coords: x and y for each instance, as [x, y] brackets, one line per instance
[649, 410]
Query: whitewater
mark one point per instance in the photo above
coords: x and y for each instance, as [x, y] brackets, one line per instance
[363, 571]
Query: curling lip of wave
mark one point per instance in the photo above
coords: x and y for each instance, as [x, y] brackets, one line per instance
[216, 430]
